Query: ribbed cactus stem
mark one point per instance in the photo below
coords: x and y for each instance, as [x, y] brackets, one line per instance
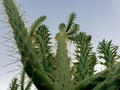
[112, 82]
[85, 56]
[28, 55]
[92, 81]
[63, 75]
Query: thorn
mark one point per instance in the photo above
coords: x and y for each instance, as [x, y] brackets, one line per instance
[13, 70]
[11, 63]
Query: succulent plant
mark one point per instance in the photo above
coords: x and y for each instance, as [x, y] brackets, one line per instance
[22, 84]
[52, 71]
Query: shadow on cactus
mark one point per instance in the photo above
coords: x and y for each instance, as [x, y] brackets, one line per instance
[52, 71]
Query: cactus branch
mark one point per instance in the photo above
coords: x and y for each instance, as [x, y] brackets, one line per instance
[63, 75]
[108, 52]
[28, 55]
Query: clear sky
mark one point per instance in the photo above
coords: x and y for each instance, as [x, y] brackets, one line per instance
[99, 18]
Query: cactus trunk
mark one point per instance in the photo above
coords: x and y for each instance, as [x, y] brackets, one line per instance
[28, 56]
[63, 75]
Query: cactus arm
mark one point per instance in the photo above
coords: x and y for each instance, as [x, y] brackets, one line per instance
[35, 25]
[42, 46]
[28, 87]
[74, 30]
[84, 56]
[14, 85]
[105, 80]
[22, 82]
[28, 55]
[70, 21]
[63, 63]
[108, 52]
[112, 82]
[92, 81]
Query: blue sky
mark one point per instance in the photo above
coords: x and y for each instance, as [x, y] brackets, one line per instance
[99, 18]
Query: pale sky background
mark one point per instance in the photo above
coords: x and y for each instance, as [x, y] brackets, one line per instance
[99, 18]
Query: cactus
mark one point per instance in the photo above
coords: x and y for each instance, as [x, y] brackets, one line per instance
[17, 84]
[108, 52]
[13, 84]
[86, 58]
[52, 71]
[29, 57]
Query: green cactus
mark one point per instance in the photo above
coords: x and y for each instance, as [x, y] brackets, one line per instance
[52, 71]
[13, 84]
[29, 57]
[108, 52]
[22, 84]
[86, 58]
